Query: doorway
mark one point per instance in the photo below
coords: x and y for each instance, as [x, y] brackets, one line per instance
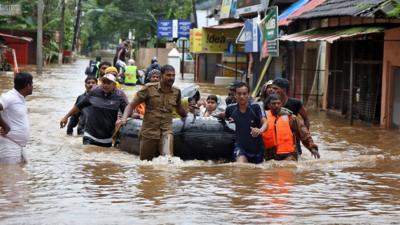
[396, 98]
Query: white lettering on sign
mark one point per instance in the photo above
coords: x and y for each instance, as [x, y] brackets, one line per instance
[271, 24]
[10, 10]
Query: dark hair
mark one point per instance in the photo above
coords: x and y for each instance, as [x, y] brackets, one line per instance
[104, 63]
[21, 80]
[90, 78]
[282, 83]
[242, 84]
[272, 97]
[98, 58]
[166, 68]
[213, 97]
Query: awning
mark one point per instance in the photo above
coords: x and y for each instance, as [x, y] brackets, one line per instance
[226, 26]
[298, 10]
[331, 34]
[28, 39]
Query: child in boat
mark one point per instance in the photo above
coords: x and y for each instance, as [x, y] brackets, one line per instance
[213, 106]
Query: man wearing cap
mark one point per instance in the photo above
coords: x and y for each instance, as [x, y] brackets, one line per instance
[106, 101]
[112, 70]
[161, 98]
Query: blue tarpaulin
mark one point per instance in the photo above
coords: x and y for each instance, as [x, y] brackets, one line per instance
[292, 9]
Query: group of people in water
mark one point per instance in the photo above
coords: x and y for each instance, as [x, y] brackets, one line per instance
[266, 127]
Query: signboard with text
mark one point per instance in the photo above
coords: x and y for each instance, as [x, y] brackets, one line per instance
[173, 29]
[10, 10]
[211, 40]
[225, 9]
[250, 6]
[270, 31]
[251, 35]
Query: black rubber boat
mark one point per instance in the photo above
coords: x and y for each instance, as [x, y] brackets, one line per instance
[202, 138]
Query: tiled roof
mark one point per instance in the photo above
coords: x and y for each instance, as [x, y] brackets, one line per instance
[341, 8]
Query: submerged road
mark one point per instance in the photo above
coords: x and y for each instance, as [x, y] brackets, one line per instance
[357, 179]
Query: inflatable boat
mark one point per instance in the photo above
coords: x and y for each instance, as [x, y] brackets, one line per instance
[202, 138]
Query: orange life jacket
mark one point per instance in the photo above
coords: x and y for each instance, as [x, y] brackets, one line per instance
[279, 134]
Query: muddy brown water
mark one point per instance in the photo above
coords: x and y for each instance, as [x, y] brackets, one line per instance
[357, 180]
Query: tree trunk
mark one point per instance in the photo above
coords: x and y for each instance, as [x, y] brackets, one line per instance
[77, 24]
[61, 41]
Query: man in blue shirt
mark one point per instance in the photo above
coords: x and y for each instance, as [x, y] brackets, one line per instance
[250, 123]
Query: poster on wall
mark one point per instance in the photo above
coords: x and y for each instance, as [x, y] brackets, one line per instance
[270, 32]
[225, 9]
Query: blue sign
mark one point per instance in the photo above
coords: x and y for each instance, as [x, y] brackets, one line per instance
[251, 36]
[184, 28]
[164, 29]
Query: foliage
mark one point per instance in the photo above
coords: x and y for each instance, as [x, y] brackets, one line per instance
[395, 13]
[51, 17]
[51, 52]
[105, 21]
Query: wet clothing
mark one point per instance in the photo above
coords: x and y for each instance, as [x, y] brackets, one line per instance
[151, 148]
[10, 152]
[298, 130]
[15, 115]
[159, 107]
[243, 121]
[103, 113]
[251, 157]
[79, 118]
[295, 105]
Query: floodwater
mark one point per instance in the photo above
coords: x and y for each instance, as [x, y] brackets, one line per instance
[357, 179]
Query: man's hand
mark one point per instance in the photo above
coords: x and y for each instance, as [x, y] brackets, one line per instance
[63, 122]
[4, 130]
[314, 153]
[255, 131]
[120, 122]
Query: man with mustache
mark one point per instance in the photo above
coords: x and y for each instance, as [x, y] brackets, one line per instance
[161, 98]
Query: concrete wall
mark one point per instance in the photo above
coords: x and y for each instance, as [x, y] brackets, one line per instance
[144, 56]
[390, 59]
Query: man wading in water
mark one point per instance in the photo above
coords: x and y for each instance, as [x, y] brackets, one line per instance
[161, 98]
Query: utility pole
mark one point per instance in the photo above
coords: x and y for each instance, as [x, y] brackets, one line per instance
[39, 37]
[61, 41]
[77, 24]
[194, 13]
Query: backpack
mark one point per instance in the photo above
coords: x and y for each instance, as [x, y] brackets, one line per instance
[91, 69]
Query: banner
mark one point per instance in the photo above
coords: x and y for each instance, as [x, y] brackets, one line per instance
[251, 35]
[211, 40]
[270, 32]
[10, 10]
[225, 9]
[173, 29]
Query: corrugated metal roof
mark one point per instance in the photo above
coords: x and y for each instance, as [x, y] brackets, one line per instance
[341, 8]
[307, 7]
[226, 26]
[292, 9]
[28, 39]
[331, 34]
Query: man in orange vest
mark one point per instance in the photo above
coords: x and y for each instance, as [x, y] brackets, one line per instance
[283, 130]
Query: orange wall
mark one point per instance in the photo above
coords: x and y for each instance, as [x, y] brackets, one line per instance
[391, 58]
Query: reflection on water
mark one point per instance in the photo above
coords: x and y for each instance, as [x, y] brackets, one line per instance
[355, 181]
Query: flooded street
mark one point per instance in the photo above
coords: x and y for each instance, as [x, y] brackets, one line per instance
[357, 179]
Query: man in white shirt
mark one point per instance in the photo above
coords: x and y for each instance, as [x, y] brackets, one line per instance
[14, 125]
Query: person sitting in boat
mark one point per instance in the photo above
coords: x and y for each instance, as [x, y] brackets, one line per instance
[283, 130]
[212, 107]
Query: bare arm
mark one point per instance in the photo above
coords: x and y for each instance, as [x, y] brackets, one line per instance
[301, 132]
[4, 128]
[128, 111]
[181, 111]
[257, 131]
[304, 115]
[71, 112]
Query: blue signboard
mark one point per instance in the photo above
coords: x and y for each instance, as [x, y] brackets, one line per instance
[251, 36]
[164, 29]
[173, 28]
[184, 28]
